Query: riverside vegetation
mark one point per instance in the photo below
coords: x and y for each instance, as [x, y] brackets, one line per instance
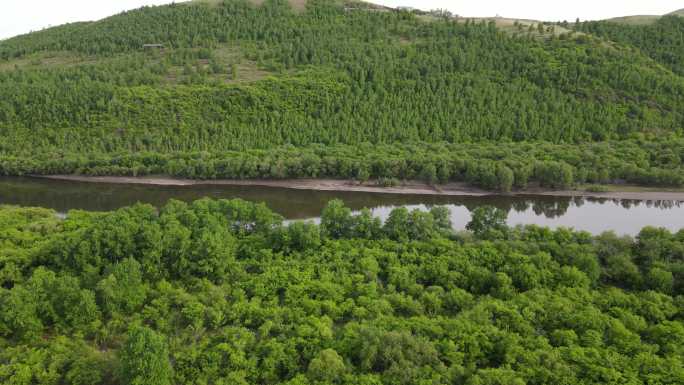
[223, 292]
[344, 90]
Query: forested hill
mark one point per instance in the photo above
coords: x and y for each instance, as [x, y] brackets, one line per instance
[236, 76]
[663, 40]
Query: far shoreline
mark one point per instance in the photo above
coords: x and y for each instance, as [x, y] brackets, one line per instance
[407, 187]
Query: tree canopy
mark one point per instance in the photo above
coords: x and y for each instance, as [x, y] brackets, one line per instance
[225, 292]
[235, 77]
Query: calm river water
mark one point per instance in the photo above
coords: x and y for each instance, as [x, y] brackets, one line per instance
[593, 215]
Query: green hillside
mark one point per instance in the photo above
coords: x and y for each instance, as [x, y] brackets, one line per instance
[327, 78]
[662, 40]
[643, 19]
[635, 20]
[226, 292]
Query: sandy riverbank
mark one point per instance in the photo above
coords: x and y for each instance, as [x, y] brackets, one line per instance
[411, 187]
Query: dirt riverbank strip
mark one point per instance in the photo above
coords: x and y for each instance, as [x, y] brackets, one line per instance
[410, 187]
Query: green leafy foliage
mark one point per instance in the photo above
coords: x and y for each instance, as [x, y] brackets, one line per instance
[663, 40]
[144, 358]
[655, 163]
[234, 77]
[488, 222]
[146, 296]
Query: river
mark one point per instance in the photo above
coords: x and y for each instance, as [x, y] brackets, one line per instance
[590, 214]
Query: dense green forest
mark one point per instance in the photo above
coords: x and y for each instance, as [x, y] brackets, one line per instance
[218, 292]
[223, 292]
[492, 166]
[663, 40]
[234, 79]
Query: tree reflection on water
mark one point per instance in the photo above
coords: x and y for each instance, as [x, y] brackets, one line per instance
[305, 204]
